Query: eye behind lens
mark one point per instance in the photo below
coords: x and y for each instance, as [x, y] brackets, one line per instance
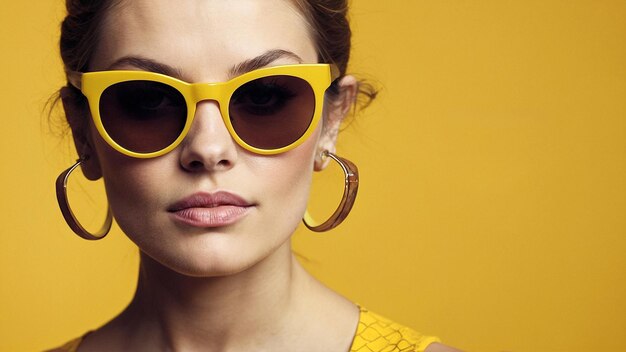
[272, 112]
[263, 96]
[143, 116]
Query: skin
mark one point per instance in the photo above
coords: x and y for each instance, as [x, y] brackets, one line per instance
[235, 287]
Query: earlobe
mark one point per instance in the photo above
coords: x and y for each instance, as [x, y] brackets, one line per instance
[78, 120]
[337, 108]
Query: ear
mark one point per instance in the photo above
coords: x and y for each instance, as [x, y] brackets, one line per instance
[336, 110]
[77, 115]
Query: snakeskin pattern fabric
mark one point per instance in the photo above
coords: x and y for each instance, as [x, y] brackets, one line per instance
[378, 334]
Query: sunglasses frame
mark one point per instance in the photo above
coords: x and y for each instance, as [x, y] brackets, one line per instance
[93, 84]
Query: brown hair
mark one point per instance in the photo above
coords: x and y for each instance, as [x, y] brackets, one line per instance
[327, 19]
[80, 31]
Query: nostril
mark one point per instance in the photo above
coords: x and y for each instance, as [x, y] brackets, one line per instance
[195, 165]
[224, 163]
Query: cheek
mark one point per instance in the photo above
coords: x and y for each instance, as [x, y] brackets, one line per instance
[132, 185]
[138, 192]
[130, 182]
[287, 181]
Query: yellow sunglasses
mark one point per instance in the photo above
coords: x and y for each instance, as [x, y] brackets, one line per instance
[266, 111]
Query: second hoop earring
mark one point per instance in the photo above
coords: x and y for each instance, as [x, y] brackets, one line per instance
[351, 186]
[66, 210]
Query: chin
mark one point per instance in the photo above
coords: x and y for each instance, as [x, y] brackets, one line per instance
[215, 266]
[204, 260]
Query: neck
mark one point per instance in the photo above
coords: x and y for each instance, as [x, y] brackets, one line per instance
[223, 313]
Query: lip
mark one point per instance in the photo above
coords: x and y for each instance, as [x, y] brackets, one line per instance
[210, 209]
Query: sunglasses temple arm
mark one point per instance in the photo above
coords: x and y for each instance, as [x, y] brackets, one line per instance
[75, 79]
[334, 72]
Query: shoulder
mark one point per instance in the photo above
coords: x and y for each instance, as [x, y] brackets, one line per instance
[438, 347]
[377, 333]
[70, 346]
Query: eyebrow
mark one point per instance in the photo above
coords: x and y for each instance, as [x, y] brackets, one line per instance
[262, 60]
[245, 66]
[147, 65]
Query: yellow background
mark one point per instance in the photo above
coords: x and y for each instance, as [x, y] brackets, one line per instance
[492, 208]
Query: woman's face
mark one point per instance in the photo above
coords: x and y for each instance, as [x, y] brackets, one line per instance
[167, 205]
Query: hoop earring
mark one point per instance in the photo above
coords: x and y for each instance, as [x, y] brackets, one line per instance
[350, 188]
[66, 210]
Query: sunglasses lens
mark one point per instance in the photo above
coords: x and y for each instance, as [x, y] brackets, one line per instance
[272, 112]
[143, 116]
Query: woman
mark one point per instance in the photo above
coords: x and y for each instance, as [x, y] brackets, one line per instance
[211, 180]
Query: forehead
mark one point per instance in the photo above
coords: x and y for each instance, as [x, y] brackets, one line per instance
[202, 38]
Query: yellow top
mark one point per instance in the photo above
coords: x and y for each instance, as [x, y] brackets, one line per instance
[374, 334]
[377, 334]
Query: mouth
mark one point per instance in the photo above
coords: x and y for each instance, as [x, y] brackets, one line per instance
[210, 209]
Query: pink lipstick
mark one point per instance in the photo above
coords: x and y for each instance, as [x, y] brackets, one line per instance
[210, 209]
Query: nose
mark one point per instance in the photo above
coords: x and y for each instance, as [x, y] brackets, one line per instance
[208, 146]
